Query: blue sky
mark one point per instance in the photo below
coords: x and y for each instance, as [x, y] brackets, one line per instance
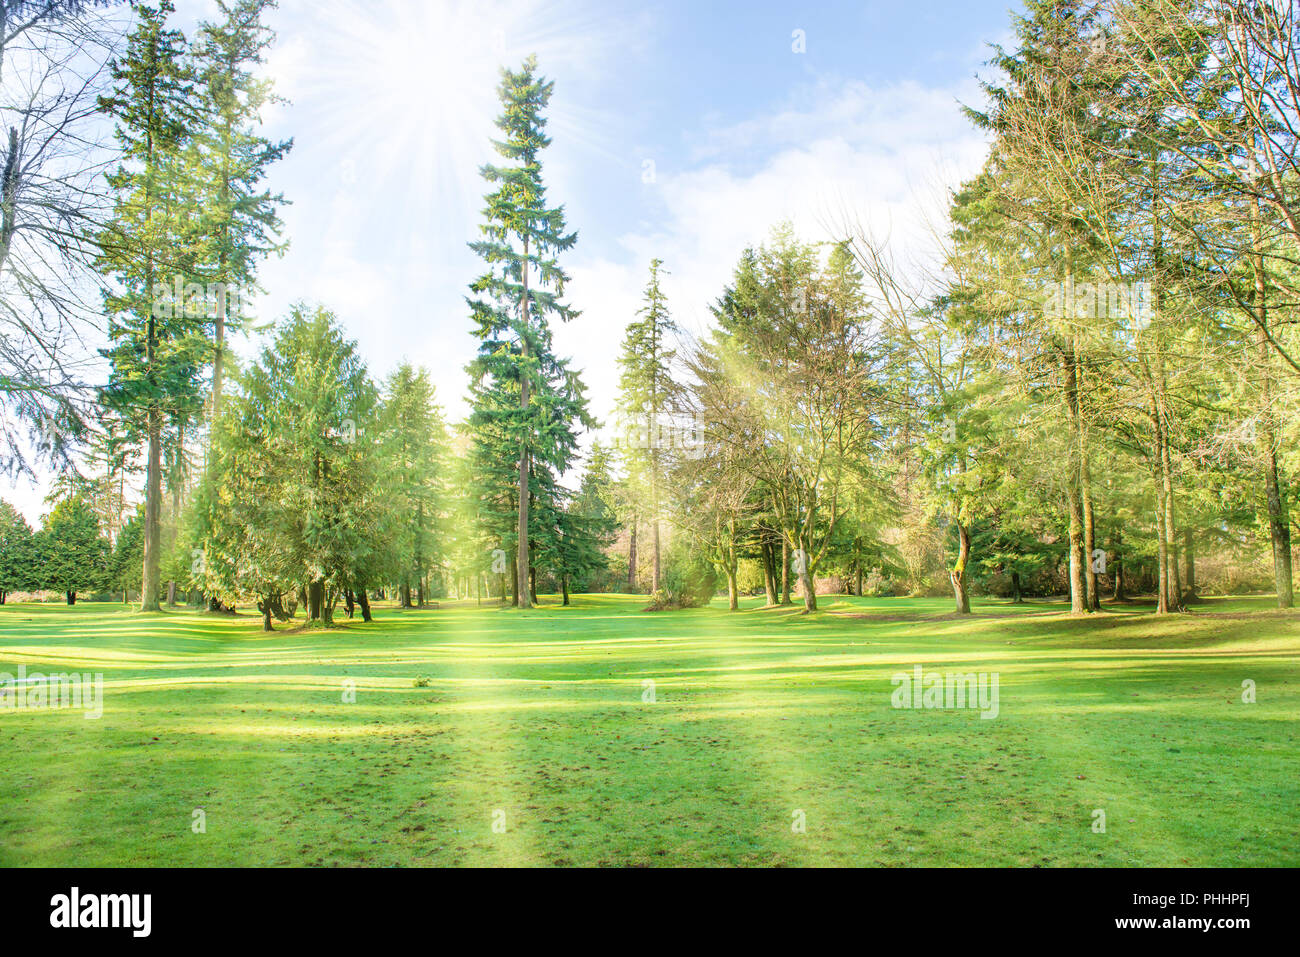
[681, 130]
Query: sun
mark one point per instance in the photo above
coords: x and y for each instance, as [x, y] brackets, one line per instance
[405, 91]
[400, 92]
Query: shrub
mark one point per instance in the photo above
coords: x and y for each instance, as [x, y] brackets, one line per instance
[686, 580]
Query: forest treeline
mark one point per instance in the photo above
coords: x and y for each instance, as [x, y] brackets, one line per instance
[1091, 391]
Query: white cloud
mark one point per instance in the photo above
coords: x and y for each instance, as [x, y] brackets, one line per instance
[885, 155]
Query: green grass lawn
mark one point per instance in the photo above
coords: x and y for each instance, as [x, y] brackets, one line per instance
[757, 715]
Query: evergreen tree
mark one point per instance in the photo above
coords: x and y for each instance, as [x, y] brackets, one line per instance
[239, 222]
[491, 489]
[577, 552]
[523, 287]
[413, 453]
[588, 527]
[648, 394]
[17, 551]
[72, 554]
[1041, 109]
[155, 347]
[128, 554]
[293, 498]
[473, 535]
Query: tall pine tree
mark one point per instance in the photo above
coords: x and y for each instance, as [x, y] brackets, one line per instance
[648, 394]
[513, 300]
[154, 345]
[239, 222]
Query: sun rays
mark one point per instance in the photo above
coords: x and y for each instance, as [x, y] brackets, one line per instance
[404, 94]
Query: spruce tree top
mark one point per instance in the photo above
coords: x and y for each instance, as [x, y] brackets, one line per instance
[646, 380]
[520, 232]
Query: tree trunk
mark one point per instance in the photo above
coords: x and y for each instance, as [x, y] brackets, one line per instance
[1090, 541]
[785, 571]
[1189, 566]
[1279, 525]
[1085, 493]
[266, 614]
[733, 585]
[564, 588]
[654, 571]
[960, 589]
[177, 482]
[364, 601]
[654, 504]
[149, 599]
[1279, 532]
[348, 601]
[9, 181]
[532, 584]
[1117, 566]
[1174, 578]
[1162, 551]
[219, 350]
[1078, 583]
[522, 556]
[809, 589]
[277, 608]
[219, 357]
[1155, 382]
[514, 582]
[1016, 597]
[71, 597]
[767, 551]
[315, 600]
[1078, 586]
[804, 570]
[631, 558]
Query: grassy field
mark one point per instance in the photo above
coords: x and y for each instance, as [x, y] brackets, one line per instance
[464, 717]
